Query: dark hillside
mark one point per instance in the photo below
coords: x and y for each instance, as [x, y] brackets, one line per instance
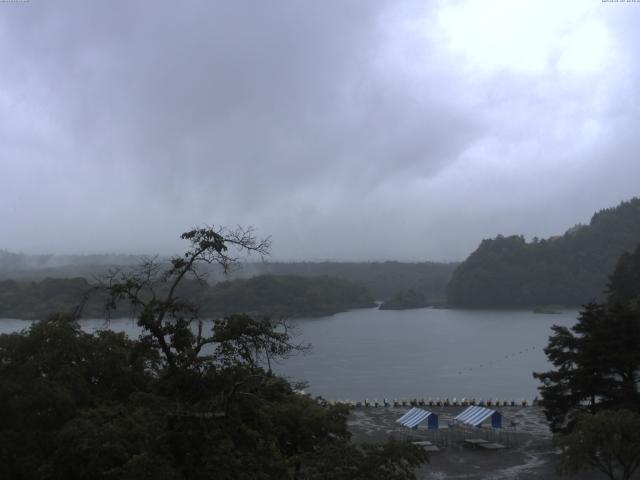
[509, 272]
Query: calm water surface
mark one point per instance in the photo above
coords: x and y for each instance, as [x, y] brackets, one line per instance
[370, 353]
[374, 353]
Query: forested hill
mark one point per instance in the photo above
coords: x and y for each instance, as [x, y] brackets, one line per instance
[277, 296]
[567, 270]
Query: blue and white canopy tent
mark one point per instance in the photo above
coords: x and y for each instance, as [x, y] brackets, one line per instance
[475, 415]
[416, 416]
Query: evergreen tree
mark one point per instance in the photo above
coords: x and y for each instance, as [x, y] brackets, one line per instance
[597, 361]
[624, 284]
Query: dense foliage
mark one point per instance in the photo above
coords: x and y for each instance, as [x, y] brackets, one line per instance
[597, 361]
[80, 406]
[177, 403]
[276, 296]
[567, 270]
[591, 396]
[624, 283]
[608, 441]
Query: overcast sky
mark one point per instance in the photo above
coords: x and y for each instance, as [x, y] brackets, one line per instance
[365, 130]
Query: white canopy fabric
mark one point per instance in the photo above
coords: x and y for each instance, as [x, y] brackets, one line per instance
[413, 417]
[474, 415]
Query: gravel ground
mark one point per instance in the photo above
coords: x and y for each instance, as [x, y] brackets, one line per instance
[528, 453]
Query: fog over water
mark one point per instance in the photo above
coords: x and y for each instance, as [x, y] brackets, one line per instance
[373, 130]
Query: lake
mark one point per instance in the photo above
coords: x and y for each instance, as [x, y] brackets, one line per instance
[422, 353]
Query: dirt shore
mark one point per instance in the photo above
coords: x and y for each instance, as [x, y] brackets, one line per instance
[528, 452]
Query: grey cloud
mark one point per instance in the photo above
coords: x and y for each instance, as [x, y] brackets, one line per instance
[123, 123]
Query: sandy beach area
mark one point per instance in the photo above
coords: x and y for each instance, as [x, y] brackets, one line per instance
[528, 452]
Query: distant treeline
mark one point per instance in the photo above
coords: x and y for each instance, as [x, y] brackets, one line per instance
[37, 300]
[383, 280]
[284, 295]
[568, 270]
[278, 296]
[405, 301]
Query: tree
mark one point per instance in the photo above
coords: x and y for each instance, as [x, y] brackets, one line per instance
[345, 461]
[608, 441]
[596, 364]
[177, 403]
[243, 340]
[624, 284]
[597, 361]
[50, 376]
[153, 291]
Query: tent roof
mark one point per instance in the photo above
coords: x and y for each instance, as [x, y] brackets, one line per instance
[475, 415]
[413, 417]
